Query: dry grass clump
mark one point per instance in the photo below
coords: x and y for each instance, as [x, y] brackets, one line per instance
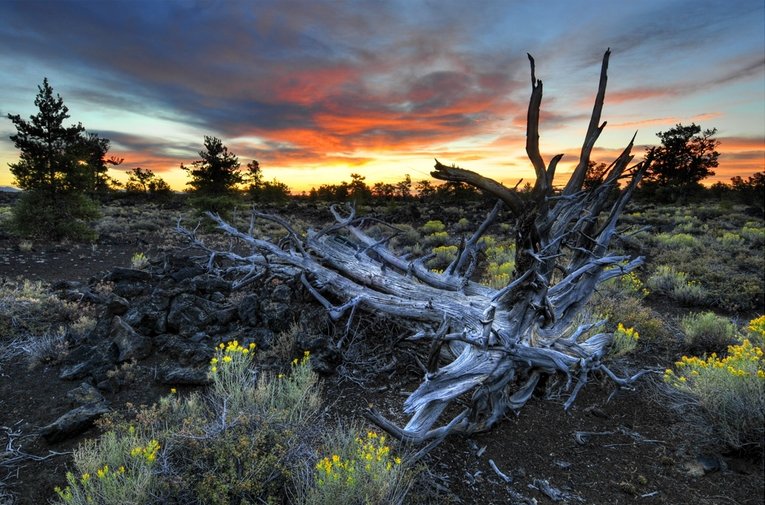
[34, 322]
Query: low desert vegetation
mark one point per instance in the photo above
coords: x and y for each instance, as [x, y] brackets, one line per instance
[252, 438]
[35, 322]
[722, 397]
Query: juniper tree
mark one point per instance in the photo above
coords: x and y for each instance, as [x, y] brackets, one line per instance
[685, 157]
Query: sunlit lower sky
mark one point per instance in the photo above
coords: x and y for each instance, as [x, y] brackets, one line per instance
[317, 90]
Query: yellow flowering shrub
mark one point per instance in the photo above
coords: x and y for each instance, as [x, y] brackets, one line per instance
[500, 263]
[239, 442]
[290, 397]
[625, 341]
[625, 285]
[230, 368]
[109, 471]
[360, 470]
[729, 390]
[756, 331]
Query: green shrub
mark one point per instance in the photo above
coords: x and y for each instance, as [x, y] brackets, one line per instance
[433, 226]
[222, 205]
[407, 236]
[632, 314]
[706, 332]
[676, 240]
[116, 468]
[731, 239]
[436, 239]
[722, 399]
[291, 398]
[690, 293]
[67, 217]
[358, 470]
[30, 309]
[444, 255]
[754, 233]
[463, 225]
[139, 261]
[675, 285]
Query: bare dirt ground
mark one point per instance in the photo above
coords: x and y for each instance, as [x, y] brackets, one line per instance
[636, 451]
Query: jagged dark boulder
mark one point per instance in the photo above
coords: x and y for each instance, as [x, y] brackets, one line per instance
[186, 351]
[127, 343]
[249, 309]
[189, 313]
[131, 275]
[84, 361]
[85, 394]
[73, 422]
[116, 305]
[184, 376]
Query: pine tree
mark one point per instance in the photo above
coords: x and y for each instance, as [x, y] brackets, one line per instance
[56, 167]
[217, 173]
[47, 161]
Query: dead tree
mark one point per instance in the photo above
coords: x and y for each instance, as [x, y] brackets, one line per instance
[488, 347]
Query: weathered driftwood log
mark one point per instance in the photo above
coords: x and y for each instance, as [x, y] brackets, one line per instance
[500, 341]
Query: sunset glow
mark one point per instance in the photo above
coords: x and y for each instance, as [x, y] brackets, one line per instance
[317, 90]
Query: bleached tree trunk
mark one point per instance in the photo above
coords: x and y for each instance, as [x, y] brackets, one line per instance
[500, 342]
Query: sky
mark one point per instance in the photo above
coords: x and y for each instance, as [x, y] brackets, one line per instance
[316, 90]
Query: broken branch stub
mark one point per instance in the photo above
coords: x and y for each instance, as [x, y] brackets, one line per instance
[502, 341]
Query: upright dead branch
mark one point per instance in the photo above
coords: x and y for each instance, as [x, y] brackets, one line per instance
[501, 341]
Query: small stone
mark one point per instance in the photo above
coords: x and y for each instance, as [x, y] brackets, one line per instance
[85, 394]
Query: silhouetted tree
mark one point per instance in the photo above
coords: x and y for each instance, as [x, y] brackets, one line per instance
[92, 153]
[253, 178]
[359, 191]
[594, 176]
[383, 190]
[145, 181]
[217, 173]
[685, 157]
[424, 189]
[751, 190]
[404, 188]
[264, 191]
[58, 164]
[455, 191]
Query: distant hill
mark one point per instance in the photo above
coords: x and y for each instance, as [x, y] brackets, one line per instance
[9, 189]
